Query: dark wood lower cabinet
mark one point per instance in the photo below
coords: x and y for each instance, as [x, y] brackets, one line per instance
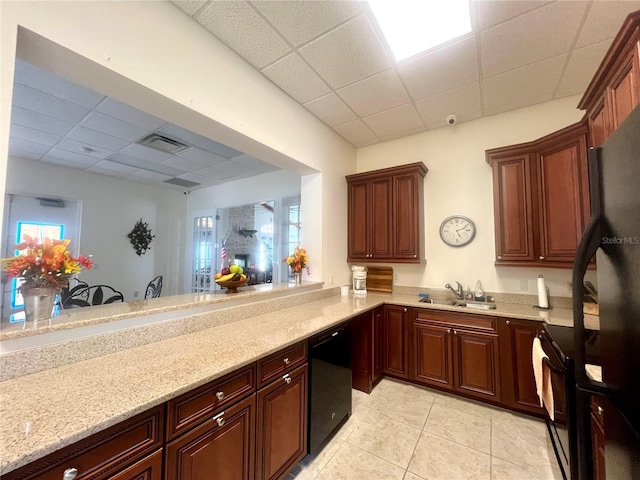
[395, 342]
[222, 448]
[433, 363]
[476, 364]
[149, 468]
[597, 439]
[282, 425]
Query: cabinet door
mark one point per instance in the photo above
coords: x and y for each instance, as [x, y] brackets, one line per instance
[362, 352]
[395, 341]
[149, 468]
[378, 350]
[433, 363]
[513, 200]
[282, 425]
[599, 124]
[518, 382]
[381, 223]
[623, 92]
[476, 364]
[597, 439]
[563, 199]
[222, 448]
[406, 220]
[358, 220]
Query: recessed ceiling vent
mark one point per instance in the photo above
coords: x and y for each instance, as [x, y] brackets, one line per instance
[51, 202]
[181, 182]
[164, 144]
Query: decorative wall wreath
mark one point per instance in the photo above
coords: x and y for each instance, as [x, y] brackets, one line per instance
[141, 237]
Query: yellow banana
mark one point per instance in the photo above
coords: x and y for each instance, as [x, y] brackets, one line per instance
[225, 278]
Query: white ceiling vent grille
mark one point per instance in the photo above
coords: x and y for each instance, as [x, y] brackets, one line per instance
[164, 144]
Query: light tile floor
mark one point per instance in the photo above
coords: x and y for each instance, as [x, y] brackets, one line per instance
[406, 432]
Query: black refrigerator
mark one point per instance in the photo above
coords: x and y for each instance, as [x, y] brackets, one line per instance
[613, 236]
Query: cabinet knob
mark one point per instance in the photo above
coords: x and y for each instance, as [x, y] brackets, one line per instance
[499, 257]
[70, 474]
[448, 330]
[508, 322]
[286, 361]
[219, 419]
[541, 257]
[287, 378]
[600, 410]
[415, 256]
[220, 395]
[404, 310]
[455, 332]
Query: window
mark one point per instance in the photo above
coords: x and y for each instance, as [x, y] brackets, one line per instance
[291, 211]
[203, 247]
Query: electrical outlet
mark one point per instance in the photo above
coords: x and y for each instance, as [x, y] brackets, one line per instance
[569, 286]
[524, 285]
[331, 279]
[396, 277]
[135, 294]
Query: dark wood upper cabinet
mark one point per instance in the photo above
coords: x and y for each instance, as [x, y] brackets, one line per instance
[541, 199]
[385, 221]
[614, 90]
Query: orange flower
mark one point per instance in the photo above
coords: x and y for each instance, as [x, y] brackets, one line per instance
[298, 260]
[46, 264]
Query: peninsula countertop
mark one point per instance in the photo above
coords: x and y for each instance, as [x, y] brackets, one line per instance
[43, 412]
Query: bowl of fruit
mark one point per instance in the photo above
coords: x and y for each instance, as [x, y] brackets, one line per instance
[231, 278]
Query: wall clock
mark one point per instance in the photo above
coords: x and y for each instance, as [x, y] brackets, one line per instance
[457, 230]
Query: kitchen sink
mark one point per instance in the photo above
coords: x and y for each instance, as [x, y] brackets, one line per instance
[465, 304]
[443, 302]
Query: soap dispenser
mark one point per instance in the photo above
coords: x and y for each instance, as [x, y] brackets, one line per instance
[479, 294]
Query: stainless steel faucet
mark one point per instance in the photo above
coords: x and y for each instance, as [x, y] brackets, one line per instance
[459, 293]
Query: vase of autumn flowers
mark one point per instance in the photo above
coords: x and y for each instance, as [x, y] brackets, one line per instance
[45, 268]
[298, 261]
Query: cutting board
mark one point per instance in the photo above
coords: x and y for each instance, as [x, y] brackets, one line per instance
[379, 279]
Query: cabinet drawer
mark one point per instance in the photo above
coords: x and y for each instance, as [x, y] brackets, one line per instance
[103, 455]
[481, 323]
[196, 406]
[281, 362]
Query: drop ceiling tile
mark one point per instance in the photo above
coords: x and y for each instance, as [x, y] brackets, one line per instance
[207, 174]
[189, 6]
[462, 102]
[40, 102]
[38, 121]
[523, 83]
[374, 94]
[519, 104]
[253, 163]
[17, 153]
[106, 171]
[296, 78]
[299, 22]
[232, 167]
[542, 33]
[357, 133]
[183, 164]
[244, 31]
[330, 109]
[33, 135]
[93, 138]
[45, 81]
[64, 163]
[143, 164]
[583, 64]
[492, 13]
[145, 153]
[114, 127]
[77, 158]
[347, 54]
[114, 167]
[442, 69]
[77, 147]
[569, 92]
[157, 177]
[131, 115]
[406, 133]
[205, 158]
[604, 20]
[395, 120]
[29, 147]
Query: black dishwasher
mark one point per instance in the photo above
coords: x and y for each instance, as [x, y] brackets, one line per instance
[329, 384]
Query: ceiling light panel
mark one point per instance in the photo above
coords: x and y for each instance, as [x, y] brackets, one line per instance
[413, 26]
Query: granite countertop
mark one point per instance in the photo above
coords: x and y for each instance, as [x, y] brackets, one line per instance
[43, 412]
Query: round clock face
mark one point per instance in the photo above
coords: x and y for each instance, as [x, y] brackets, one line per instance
[457, 230]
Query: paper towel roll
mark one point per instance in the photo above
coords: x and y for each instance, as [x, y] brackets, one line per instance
[543, 301]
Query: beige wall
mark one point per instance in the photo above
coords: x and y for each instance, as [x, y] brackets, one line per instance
[459, 182]
[155, 58]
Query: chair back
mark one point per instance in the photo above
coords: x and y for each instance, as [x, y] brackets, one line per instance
[154, 288]
[87, 296]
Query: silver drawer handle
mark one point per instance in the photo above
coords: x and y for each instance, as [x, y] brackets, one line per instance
[70, 474]
[448, 330]
[220, 395]
[541, 257]
[287, 378]
[455, 332]
[219, 419]
[600, 410]
[287, 361]
[508, 322]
